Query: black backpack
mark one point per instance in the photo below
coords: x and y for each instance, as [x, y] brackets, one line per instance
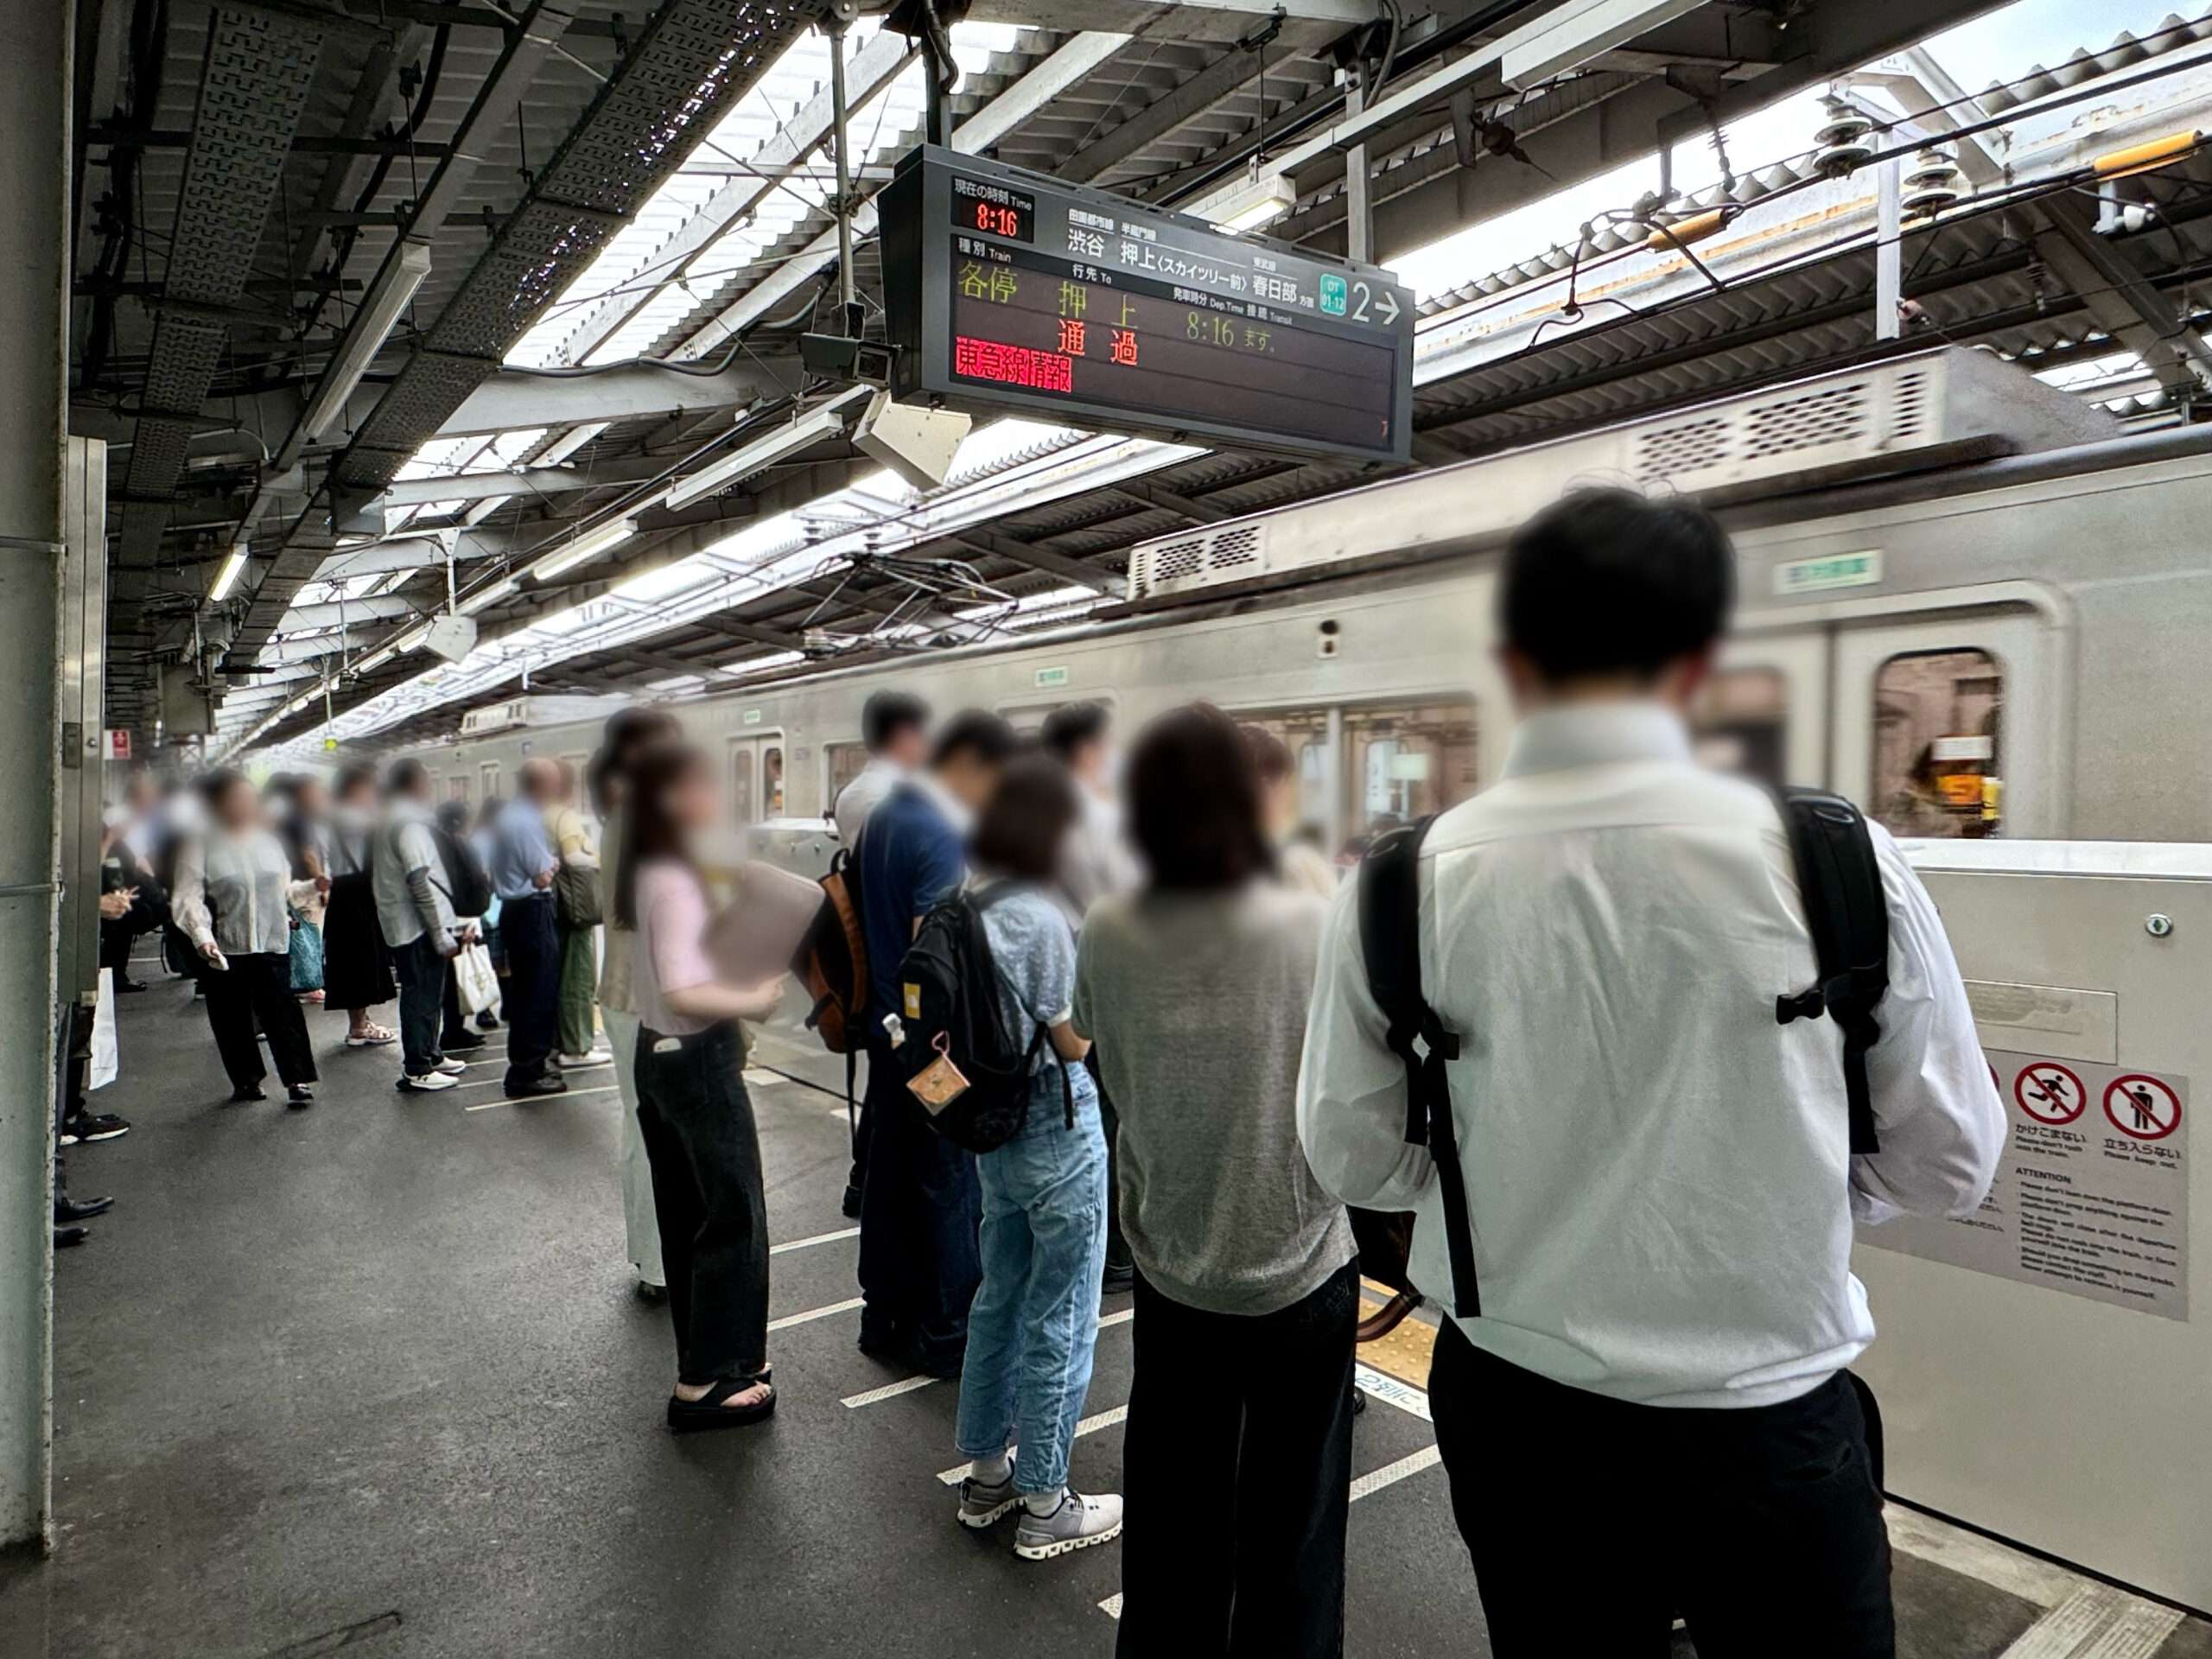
[949, 990]
[468, 886]
[1845, 909]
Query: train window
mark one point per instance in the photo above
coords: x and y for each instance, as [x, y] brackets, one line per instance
[1305, 732]
[740, 784]
[772, 782]
[1739, 723]
[457, 788]
[1938, 756]
[491, 772]
[847, 761]
[1407, 760]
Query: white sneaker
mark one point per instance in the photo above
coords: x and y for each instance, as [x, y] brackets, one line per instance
[453, 1068]
[1078, 1524]
[578, 1062]
[429, 1083]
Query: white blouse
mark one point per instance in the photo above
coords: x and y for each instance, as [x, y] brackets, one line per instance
[231, 890]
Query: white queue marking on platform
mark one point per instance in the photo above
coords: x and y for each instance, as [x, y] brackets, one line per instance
[1363, 1486]
[819, 1238]
[2098, 1622]
[573, 1094]
[1392, 1391]
[958, 1472]
[893, 1391]
[813, 1313]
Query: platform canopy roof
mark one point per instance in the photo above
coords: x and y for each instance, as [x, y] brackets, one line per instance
[425, 304]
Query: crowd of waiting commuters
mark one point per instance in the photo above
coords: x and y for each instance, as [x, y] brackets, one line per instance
[1656, 1169]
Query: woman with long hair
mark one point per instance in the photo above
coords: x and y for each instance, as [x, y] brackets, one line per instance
[1196, 990]
[1035, 1322]
[629, 733]
[233, 888]
[693, 1112]
[356, 964]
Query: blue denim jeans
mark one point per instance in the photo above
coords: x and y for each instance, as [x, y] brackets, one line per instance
[1034, 1322]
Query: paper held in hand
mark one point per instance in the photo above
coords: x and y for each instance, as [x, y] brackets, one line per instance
[756, 936]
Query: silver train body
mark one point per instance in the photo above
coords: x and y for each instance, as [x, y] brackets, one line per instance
[2004, 646]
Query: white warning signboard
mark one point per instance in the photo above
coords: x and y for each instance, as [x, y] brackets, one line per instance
[2092, 1193]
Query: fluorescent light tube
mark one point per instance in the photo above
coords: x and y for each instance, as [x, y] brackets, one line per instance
[491, 595]
[387, 298]
[585, 547]
[765, 451]
[1267, 201]
[227, 576]
[413, 639]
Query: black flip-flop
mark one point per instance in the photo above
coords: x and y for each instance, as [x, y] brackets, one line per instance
[710, 1411]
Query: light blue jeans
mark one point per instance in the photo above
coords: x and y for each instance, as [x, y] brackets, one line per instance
[1034, 1322]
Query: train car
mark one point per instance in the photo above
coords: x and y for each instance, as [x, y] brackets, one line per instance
[1966, 601]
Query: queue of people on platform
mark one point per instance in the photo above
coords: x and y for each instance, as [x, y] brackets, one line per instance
[1655, 1168]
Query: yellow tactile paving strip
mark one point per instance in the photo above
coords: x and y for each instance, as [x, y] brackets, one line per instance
[1405, 1353]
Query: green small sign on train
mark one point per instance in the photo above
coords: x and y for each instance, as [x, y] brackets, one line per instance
[1828, 571]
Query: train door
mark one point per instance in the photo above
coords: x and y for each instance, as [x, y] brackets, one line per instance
[489, 771]
[1760, 714]
[1951, 726]
[756, 776]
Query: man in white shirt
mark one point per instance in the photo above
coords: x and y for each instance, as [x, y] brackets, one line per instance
[1658, 1173]
[895, 726]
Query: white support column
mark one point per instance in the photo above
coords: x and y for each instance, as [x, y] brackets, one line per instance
[33, 333]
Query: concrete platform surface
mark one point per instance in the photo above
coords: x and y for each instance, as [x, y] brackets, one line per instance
[372, 1378]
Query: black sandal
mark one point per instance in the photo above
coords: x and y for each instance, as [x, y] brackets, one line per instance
[710, 1411]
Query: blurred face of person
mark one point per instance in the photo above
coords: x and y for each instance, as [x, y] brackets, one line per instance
[691, 801]
[1280, 803]
[1092, 762]
[238, 809]
[970, 777]
[142, 793]
[538, 780]
[311, 800]
[908, 747]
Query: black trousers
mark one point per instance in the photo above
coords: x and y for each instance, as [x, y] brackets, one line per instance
[451, 1022]
[696, 1122]
[921, 1213]
[259, 983]
[1238, 1491]
[532, 993]
[422, 974]
[1761, 1526]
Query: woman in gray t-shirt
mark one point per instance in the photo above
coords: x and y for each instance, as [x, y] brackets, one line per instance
[1195, 991]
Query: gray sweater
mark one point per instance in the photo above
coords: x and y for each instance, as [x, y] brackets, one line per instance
[1197, 1005]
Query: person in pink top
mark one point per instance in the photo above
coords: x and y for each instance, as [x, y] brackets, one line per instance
[693, 1112]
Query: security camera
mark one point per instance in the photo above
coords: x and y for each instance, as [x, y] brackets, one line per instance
[838, 357]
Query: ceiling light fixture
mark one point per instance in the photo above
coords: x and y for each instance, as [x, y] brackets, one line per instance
[227, 576]
[491, 595]
[1266, 202]
[827, 422]
[585, 547]
[387, 298]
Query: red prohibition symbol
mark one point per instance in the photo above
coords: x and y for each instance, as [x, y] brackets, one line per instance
[2142, 1107]
[2049, 1093]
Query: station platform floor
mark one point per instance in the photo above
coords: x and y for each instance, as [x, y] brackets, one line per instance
[370, 1379]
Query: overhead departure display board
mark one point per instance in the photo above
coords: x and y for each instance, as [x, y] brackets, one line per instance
[1008, 291]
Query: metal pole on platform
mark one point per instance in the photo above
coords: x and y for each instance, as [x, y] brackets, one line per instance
[847, 303]
[1359, 192]
[1889, 252]
[34, 167]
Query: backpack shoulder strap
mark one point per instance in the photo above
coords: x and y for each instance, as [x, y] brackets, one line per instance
[1840, 883]
[1389, 944]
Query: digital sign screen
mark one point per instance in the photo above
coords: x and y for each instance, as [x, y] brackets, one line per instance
[978, 205]
[1008, 291]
